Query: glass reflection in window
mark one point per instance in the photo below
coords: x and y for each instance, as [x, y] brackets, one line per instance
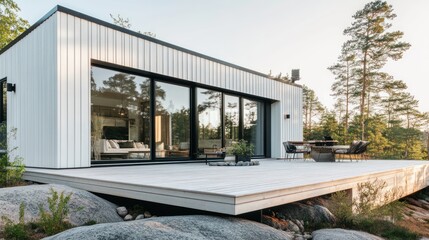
[120, 115]
[172, 121]
[253, 124]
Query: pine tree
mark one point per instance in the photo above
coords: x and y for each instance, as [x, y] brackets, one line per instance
[373, 45]
[344, 87]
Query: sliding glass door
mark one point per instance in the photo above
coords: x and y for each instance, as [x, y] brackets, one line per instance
[120, 115]
[253, 124]
[209, 127]
[172, 121]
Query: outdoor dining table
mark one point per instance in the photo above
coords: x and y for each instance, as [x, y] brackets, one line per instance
[325, 153]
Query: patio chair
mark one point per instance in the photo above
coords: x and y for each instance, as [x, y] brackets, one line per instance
[292, 149]
[357, 148]
[328, 141]
[362, 149]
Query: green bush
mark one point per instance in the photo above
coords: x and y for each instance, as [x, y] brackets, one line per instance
[342, 207]
[16, 231]
[242, 148]
[53, 222]
[11, 170]
[369, 211]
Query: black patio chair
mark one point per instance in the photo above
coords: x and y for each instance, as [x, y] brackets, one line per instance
[357, 148]
[292, 149]
[362, 149]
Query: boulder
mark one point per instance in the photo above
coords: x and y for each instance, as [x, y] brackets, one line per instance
[300, 211]
[122, 211]
[84, 206]
[285, 225]
[340, 234]
[177, 227]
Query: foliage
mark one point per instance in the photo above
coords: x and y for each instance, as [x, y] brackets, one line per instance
[384, 229]
[53, 222]
[50, 222]
[242, 148]
[11, 171]
[312, 110]
[125, 23]
[11, 26]
[368, 212]
[16, 231]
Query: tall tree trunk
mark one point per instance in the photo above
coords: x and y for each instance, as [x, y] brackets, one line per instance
[427, 143]
[346, 125]
[309, 119]
[362, 97]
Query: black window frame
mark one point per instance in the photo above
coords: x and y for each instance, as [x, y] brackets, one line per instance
[193, 156]
[3, 84]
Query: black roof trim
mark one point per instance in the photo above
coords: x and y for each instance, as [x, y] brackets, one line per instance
[136, 34]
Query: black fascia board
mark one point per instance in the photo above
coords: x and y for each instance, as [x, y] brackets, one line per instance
[74, 13]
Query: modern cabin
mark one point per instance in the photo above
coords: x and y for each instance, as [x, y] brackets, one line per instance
[82, 92]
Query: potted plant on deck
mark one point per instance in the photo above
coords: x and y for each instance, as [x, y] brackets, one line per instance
[242, 150]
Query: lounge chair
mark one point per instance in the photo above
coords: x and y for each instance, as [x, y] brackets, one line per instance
[357, 148]
[292, 149]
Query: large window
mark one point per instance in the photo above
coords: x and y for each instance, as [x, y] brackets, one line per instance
[172, 121]
[209, 105]
[253, 124]
[137, 118]
[120, 115]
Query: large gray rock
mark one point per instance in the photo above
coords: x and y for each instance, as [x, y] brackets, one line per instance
[342, 234]
[300, 211]
[84, 206]
[177, 227]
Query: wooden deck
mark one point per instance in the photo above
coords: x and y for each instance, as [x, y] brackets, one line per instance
[236, 190]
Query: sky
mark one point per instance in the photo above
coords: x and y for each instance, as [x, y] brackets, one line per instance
[274, 35]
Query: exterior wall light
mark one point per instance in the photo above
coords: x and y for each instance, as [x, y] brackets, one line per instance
[287, 116]
[11, 87]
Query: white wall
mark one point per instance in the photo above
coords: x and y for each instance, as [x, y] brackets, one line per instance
[31, 65]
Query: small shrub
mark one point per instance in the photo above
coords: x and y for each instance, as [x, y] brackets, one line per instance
[242, 148]
[342, 207]
[53, 222]
[16, 231]
[369, 198]
[11, 170]
[371, 209]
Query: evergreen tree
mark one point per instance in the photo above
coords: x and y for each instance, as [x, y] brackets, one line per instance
[344, 87]
[312, 110]
[373, 45]
[11, 25]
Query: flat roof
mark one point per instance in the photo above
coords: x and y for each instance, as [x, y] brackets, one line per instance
[74, 13]
[236, 190]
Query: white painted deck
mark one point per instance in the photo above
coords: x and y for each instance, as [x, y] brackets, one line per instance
[236, 190]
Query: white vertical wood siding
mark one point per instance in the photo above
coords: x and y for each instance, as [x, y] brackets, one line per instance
[31, 64]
